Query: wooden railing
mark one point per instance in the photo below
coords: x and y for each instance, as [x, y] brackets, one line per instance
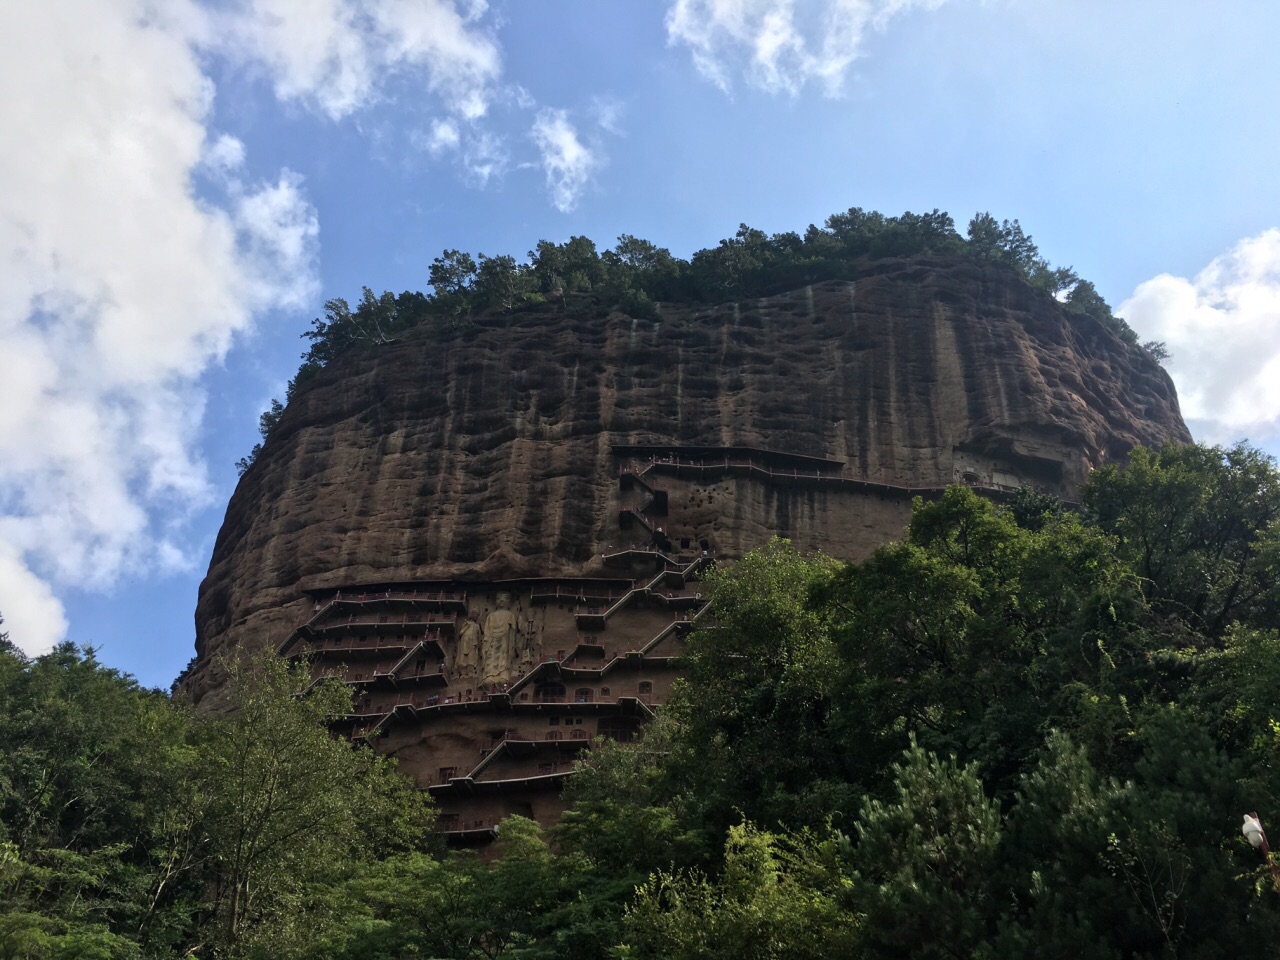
[385, 620]
[842, 477]
[470, 825]
[380, 596]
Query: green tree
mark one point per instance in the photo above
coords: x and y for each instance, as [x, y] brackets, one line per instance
[266, 424]
[526, 903]
[1006, 242]
[754, 705]
[452, 273]
[1062, 901]
[270, 418]
[639, 256]
[1237, 696]
[372, 322]
[775, 900]
[1032, 510]
[636, 275]
[1158, 350]
[933, 232]
[1200, 527]
[623, 819]
[975, 632]
[88, 761]
[857, 231]
[571, 266]
[636, 303]
[500, 283]
[288, 805]
[1084, 298]
[404, 906]
[731, 269]
[925, 861]
[453, 277]
[637, 267]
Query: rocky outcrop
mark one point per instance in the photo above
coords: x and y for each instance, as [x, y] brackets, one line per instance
[491, 454]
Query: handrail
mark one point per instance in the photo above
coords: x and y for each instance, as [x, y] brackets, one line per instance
[843, 476]
[500, 746]
[644, 521]
[608, 611]
[321, 646]
[384, 621]
[613, 661]
[405, 659]
[364, 596]
[487, 824]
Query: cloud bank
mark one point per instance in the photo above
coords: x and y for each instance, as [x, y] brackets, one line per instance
[118, 287]
[780, 45]
[1222, 327]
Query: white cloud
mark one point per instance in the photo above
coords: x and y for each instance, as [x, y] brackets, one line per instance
[462, 62]
[480, 155]
[608, 113]
[785, 45]
[278, 232]
[314, 49]
[118, 287]
[1223, 329]
[484, 158]
[336, 54]
[566, 160]
[519, 96]
[32, 610]
[121, 283]
[444, 136]
[224, 155]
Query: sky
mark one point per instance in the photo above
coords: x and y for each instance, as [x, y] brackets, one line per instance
[185, 182]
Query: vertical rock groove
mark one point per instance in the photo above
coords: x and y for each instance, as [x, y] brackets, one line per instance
[490, 454]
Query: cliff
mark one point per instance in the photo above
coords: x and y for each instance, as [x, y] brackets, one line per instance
[493, 453]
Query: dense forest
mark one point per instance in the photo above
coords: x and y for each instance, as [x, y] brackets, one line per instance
[1022, 731]
[635, 276]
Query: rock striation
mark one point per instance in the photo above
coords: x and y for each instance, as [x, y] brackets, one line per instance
[545, 446]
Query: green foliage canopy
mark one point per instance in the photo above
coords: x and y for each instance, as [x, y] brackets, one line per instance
[128, 828]
[1037, 731]
[1020, 731]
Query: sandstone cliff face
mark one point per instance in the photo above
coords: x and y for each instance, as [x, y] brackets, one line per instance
[490, 455]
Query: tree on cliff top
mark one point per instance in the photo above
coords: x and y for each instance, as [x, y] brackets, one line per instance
[636, 275]
[1005, 242]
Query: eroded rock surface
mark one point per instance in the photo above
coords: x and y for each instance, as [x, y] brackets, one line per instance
[490, 455]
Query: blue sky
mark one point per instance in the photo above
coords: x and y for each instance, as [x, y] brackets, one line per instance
[187, 181]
